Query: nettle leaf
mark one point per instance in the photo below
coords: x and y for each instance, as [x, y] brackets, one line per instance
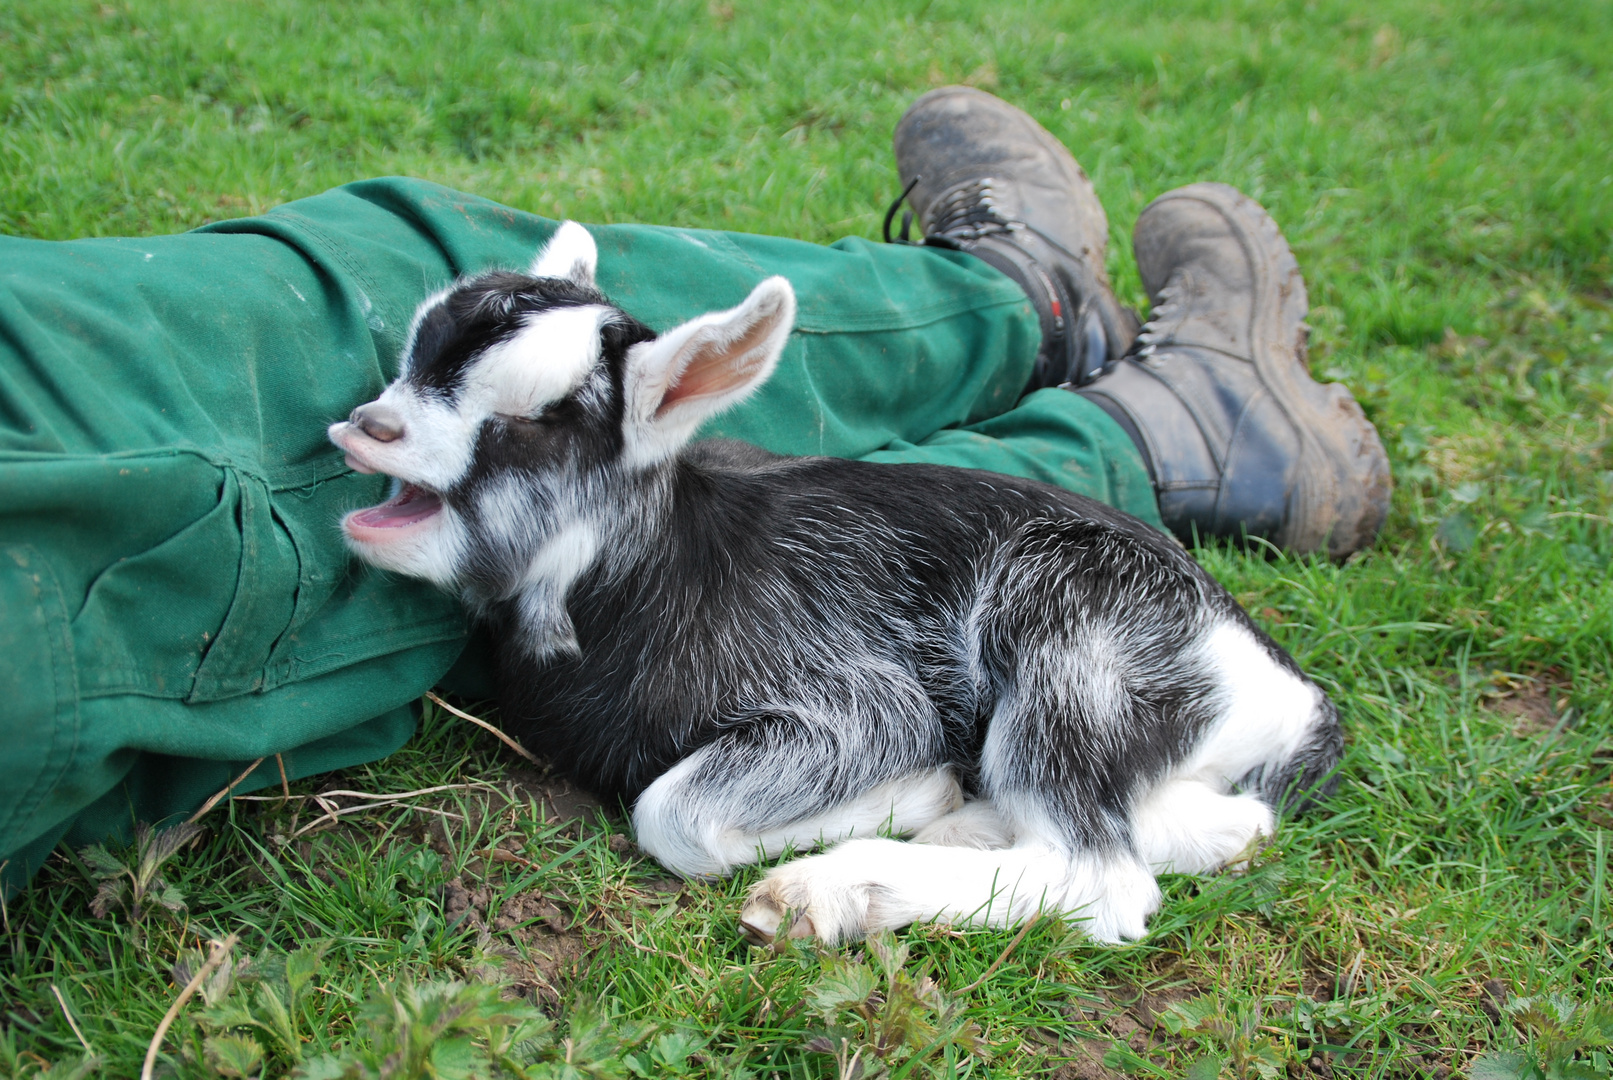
[303, 965]
[523, 1042]
[217, 986]
[1319, 1018]
[1457, 532]
[234, 1055]
[904, 1026]
[1200, 1015]
[930, 992]
[76, 1069]
[454, 1058]
[598, 1034]
[675, 1048]
[843, 985]
[269, 1012]
[1267, 1066]
[102, 863]
[185, 966]
[230, 1014]
[452, 1030]
[1510, 1066]
[891, 954]
[330, 1067]
[1207, 1067]
[1545, 1017]
[111, 894]
[1596, 1026]
[171, 898]
[158, 848]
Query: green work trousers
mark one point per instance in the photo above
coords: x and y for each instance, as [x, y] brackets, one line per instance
[175, 597]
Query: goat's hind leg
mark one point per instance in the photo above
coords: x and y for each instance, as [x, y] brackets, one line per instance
[1275, 735]
[1188, 827]
[766, 789]
[976, 824]
[1049, 837]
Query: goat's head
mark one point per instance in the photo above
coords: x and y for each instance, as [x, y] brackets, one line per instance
[525, 402]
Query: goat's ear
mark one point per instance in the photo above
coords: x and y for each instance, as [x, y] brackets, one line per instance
[570, 253]
[697, 370]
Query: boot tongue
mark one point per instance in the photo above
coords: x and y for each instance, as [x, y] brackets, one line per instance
[409, 506]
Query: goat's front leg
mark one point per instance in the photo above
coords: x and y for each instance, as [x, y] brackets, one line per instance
[776, 785]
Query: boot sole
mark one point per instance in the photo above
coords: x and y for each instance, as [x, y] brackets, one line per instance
[1343, 488]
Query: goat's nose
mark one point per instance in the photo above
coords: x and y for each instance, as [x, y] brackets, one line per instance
[378, 422]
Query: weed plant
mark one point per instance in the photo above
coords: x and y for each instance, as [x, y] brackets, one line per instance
[1442, 172]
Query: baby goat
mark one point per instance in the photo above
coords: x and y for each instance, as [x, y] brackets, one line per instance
[760, 653]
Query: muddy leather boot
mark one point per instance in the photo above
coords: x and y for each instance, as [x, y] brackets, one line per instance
[985, 178]
[1216, 393]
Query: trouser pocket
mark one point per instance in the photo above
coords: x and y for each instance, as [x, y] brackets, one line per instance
[192, 613]
[264, 598]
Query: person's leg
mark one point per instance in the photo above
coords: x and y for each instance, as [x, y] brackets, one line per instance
[175, 600]
[1053, 436]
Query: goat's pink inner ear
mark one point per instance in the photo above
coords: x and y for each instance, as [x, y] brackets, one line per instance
[717, 367]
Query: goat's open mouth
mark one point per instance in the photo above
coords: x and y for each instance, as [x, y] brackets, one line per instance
[411, 505]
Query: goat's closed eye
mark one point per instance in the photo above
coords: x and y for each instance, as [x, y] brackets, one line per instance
[540, 420]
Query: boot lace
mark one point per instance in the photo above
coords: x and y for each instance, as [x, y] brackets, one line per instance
[1161, 320]
[969, 211]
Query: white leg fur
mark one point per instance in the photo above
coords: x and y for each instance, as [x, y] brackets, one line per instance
[899, 808]
[976, 825]
[698, 840]
[1187, 827]
[867, 885]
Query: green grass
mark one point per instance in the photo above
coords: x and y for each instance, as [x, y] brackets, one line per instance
[1444, 178]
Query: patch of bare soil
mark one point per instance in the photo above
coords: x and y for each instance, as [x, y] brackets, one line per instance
[1085, 1062]
[1125, 1014]
[1534, 703]
[537, 941]
[557, 797]
[531, 943]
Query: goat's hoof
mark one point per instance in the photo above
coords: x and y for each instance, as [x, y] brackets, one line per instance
[761, 918]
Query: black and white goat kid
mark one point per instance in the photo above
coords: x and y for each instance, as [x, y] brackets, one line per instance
[760, 653]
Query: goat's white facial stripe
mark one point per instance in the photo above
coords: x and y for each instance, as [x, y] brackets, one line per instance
[420, 314]
[547, 360]
[550, 358]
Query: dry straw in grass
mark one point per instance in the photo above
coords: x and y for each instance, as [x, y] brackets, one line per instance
[484, 725]
[221, 949]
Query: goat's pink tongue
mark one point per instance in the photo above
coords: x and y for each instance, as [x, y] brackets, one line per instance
[409, 506]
